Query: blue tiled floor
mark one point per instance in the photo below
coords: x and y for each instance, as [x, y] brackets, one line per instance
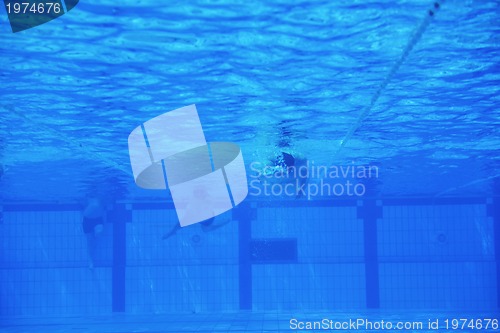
[213, 322]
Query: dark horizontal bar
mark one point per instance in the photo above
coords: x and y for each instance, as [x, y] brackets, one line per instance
[41, 207]
[305, 203]
[153, 206]
[432, 201]
[15, 207]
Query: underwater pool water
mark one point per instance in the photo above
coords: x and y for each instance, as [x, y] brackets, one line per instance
[399, 98]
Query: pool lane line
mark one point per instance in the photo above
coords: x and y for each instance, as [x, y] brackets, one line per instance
[407, 50]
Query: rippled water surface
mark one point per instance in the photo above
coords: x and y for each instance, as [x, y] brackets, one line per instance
[263, 74]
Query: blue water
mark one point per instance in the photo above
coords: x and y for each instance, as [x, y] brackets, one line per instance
[335, 83]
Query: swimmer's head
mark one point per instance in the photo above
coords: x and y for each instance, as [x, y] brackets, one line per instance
[281, 164]
[285, 160]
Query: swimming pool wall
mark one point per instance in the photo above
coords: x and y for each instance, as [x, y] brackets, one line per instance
[317, 255]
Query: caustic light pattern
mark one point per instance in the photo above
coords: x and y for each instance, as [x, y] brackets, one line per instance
[205, 179]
